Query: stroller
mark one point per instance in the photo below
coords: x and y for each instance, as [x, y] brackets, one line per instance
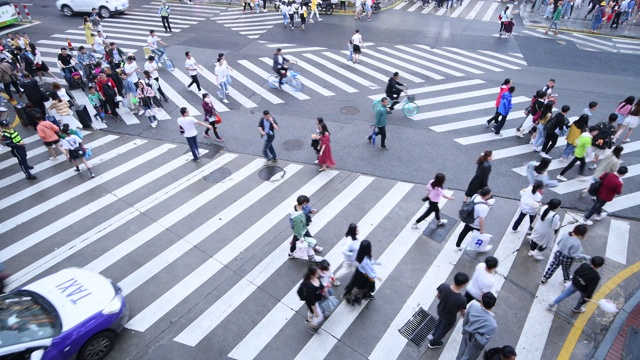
[77, 81]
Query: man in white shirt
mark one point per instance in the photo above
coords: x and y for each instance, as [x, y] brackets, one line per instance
[482, 280]
[152, 42]
[481, 206]
[100, 43]
[131, 69]
[192, 67]
[188, 128]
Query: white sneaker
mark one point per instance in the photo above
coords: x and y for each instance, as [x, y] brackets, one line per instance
[415, 226]
[225, 101]
[537, 148]
[319, 19]
[530, 253]
[53, 158]
[561, 178]
[159, 65]
[586, 221]
[141, 112]
[593, 166]
[544, 155]
[566, 285]
[154, 124]
[442, 222]
[311, 21]
[601, 216]
[551, 307]
[520, 135]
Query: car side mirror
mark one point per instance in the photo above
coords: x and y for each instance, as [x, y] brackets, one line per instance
[37, 355]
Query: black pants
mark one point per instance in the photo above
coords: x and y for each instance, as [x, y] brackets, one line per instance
[575, 159]
[595, 209]
[463, 234]
[500, 123]
[502, 26]
[111, 103]
[292, 18]
[245, 7]
[383, 136]
[394, 99]
[520, 218]
[591, 8]
[433, 208]
[550, 140]
[534, 246]
[7, 88]
[165, 23]
[194, 80]
[164, 96]
[494, 118]
[343, 5]
[444, 324]
[616, 20]
[469, 297]
[282, 72]
[20, 153]
[303, 20]
[215, 129]
[295, 239]
[264, 5]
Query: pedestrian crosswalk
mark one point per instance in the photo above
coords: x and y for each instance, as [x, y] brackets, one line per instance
[593, 42]
[465, 9]
[206, 263]
[249, 23]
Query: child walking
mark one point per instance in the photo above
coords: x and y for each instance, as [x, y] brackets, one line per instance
[75, 150]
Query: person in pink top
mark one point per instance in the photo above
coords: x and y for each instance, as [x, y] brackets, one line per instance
[325, 158]
[435, 192]
[506, 84]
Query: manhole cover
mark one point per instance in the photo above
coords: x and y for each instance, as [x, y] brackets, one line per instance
[535, 21]
[349, 110]
[292, 144]
[271, 173]
[440, 233]
[418, 327]
[218, 175]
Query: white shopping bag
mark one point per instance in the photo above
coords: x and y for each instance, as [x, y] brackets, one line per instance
[304, 248]
[480, 242]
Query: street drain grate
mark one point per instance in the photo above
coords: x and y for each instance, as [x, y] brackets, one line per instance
[439, 233]
[418, 327]
[349, 110]
[271, 173]
[218, 175]
[292, 144]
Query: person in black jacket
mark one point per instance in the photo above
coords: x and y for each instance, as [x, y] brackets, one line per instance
[280, 66]
[481, 179]
[33, 92]
[559, 122]
[585, 280]
[394, 90]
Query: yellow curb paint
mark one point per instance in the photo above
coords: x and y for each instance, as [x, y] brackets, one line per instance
[581, 322]
[16, 121]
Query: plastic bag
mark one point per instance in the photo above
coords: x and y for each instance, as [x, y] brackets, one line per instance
[87, 153]
[480, 242]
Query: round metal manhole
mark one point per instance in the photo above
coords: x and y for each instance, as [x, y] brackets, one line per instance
[218, 175]
[271, 173]
[292, 144]
[349, 110]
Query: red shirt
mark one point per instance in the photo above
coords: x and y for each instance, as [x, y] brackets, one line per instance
[100, 83]
[611, 186]
[503, 89]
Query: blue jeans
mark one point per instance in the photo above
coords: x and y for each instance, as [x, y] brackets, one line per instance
[568, 150]
[67, 74]
[159, 54]
[596, 208]
[268, 149]
[223, 89]
[554, 23]
[570, 290]
[193, 145]
[539, 141]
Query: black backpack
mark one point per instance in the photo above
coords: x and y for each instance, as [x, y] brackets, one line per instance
[552, 124]
[467, 211]
[109, 92]
[302, 292]
[603, 140]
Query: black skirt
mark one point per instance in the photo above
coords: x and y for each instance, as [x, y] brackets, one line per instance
[42, 67]
[356, 49]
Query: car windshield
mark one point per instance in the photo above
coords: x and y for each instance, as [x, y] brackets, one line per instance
[26, 316]
[5, 2]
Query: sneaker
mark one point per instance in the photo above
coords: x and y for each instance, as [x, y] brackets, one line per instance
[290, 255]
[581, 310]
[92, 175]
[544, 155]
[369, 138]
[335, 283]
[415, 226]
[206, 135]
[317, 249]
[586, 221]
[140, 112]
[593, 166]
[626, 140]
[442, 222]
[220, 139]
[76, 170]
[225, 101]
[370, 297]
[520, 135]
[601, 216]
[566, 284]
[159, 65]
[316, 258]
[53, 158]
[154, 124]
[530, 253]
[543, 281]
[430, 337]
[433, 345]
[31, 177]
[537, 148]
[488, 124]
[311, 21]
[499, 135]
[552, 307]
[515, 230]
[561, 178]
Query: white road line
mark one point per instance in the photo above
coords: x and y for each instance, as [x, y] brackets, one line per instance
[441, 11]
[388, 68]
[353, 66]
[253, 36]
[116, 253]
[310, 84]
[618, 241]
[535, 331]
[536, 34]
[404, 64]
[150, 24]
[25, 243]
[280, 45]
[260, 336]
[179, 292]
[521, 149]
[251, 28]
[200, 11]
[582, 183]
[490, 136]
[272, 22]
[126, 31]
[184, 79]
[456, 96]
[47, 164]
[465, 108]
[401, 5]
[243, 100]
[623, 202]
[422, 62]
[443, 61]
[628, 46]
[461, 58]
[305, 49]
[214, 315]
[114, 223]
[64, 43]
[191, 7]
[253, 32]
[79, 37]
[256, 88]
[459, 9]
[177, 98]
[173, 20]
[415, 6]
[428, 8]
[172, 16]
[113, 27]
[503, 56]
[440, 87]
[593, 39]
[257, 21]
[589, 43]
[628, 41]
[125, 36]
[341, 71]
[484, 58]
[475, 10]
[263, 74]
[489, 15]
[247, 16]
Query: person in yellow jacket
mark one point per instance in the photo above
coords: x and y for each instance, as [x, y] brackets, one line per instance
[314, 10]
[577, 128]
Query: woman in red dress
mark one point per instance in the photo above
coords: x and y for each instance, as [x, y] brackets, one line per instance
[325, 158]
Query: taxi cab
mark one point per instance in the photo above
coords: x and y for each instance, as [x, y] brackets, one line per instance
[72, 313]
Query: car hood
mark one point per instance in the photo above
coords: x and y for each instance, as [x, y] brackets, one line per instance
[75, 293]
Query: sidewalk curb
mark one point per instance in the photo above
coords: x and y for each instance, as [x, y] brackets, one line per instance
[616, 325]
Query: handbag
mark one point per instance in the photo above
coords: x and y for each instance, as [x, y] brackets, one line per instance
[426, 197]
[87, 153]
[595, 187]
[218, 119]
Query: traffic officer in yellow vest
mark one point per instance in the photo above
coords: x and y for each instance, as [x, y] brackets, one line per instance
[164, 12]
[12, 139]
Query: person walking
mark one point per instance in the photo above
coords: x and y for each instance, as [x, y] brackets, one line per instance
[623, 110]
[41, 66]
[221, 71]
[537, 140]
[149, 81]
[88, 27]
[478, 327]
[107, 88]
[393, 90]
[585, 280]
[609, 164]
[530, 202]
[503, 17]
[537, 103]
[435, 193]
[75, 150]
[576, 129]
[582, 145]
[299, 219]
[349, 251]
[188, 125]
[358, 45]
[210, 116]
[192, 67]
[145, 97]
[482, 280]
[506, 352]
[538, 171]
[569, 248]
[367, 8]
[480, 209]
[314, 10]
[603, 141]
[312, 291]
[481, 179]
[63, 111]
[557, 15]
[49, 133]
[451, 303]
[12, 139]
[248, 2]
[33, 92]
[267, 127]
[553, 128]
[325, 157]
[504, 109]
[381, 123]
[164, 12]
[363, 282]
[545, 228]
[506, 84]
[611, 186]
[593, 106]
[630, 123]
[8, 77]
[598, 14]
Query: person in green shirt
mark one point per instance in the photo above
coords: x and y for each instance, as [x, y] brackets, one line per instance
[582, 145]
[554, 19]
[381, 123]
[96, 100]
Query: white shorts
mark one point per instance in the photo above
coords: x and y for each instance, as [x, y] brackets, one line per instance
[600, 152]
[631, 122]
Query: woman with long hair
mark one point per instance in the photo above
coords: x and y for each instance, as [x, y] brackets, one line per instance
[41, 66]
[325, 157]
[504, 87]
[210, 116]
[530, 202]
[575, 130]
[349, 251]
[88, 27]
[609, 164]
[145, 97]
[314, 292]
[362, 284]
[569, 248]
[435, 192]
[481, 179]
[623, 110]
[538, 139]
[630, 123]
[222, 77]
[536, 106]
[545, 229]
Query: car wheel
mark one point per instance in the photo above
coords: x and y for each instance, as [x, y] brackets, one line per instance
[97, 347]
[104, 12]
[66, 10]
